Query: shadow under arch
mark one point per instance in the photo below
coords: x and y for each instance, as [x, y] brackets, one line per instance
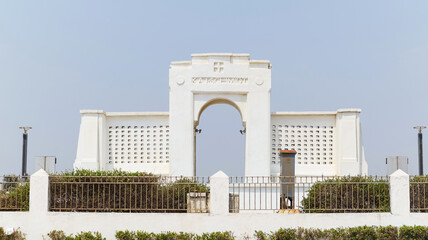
[229, 144]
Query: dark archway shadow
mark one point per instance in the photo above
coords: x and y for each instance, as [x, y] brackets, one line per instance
[220, 145]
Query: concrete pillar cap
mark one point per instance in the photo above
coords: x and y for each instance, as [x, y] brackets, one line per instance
[287, 152]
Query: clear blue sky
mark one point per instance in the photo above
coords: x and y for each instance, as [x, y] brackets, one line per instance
[57, 57]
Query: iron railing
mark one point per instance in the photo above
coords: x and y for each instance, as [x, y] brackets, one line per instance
[309, 194]
[14, 193]
[128, 194]
[419, 193]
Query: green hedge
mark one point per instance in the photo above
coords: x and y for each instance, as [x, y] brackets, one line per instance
[117, 191]
[353, 233]
[60, 235]
[347, 194]
[140, 235]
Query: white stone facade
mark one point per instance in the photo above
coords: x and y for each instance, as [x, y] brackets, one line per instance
[328, 143]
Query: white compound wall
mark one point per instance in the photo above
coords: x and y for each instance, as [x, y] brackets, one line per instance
[328, 143]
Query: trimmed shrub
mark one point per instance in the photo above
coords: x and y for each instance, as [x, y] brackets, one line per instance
[353, 233]
[347, 194]
[140, 235]
[60, 235]
[89, 236]
[284, 234]
[117, 191]
[387, 233]
[215, 236]
[413, 233]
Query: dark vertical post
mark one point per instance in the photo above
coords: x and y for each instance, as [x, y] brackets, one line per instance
[194, 153]
[287, 175]
[24, 154]
[194, 149]
[24, 150]
[421, 158]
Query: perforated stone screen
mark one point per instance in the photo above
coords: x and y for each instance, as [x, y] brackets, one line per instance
[136, 144]
[313, 137]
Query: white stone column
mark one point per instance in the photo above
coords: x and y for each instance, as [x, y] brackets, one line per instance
[91, 148]
[219, 194]
[182, 132]
[39, 192]
[348, 142]
[399, 190]
[258, 134]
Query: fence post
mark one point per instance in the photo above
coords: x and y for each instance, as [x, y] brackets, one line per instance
[399, 190]
[219, 194]
[39, 192]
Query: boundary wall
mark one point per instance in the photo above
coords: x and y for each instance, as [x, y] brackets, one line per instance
[39, 221]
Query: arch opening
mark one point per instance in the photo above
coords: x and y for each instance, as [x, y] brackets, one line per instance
[221, 143]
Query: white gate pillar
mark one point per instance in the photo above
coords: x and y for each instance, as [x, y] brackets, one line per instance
[182, 140]
[258, 135]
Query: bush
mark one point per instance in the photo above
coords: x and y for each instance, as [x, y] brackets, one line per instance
[215, 236]
[347, 194]
[89, 236]
[139, 235]
[414, 233]
[120, 191]
[60, 235]
[284, 234]
[387, 233]
[15, 195]
[353, 233]
[16, 235]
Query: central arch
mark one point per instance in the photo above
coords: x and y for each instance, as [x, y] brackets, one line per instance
[224, 148]
[209, 79]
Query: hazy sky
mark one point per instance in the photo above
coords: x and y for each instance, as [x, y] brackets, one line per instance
[57, 57]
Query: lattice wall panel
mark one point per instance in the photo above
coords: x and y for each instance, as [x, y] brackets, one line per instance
[136, 144]
[313, 140]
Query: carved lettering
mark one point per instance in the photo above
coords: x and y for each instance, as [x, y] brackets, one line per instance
[219, 80]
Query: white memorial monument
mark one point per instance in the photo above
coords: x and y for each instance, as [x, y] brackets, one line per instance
[327, 143]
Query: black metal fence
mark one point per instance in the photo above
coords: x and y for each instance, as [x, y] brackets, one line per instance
[128, 194]
[14, 193]
[310, 194]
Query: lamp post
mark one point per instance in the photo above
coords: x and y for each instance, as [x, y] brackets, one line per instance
[421, 158]
[24, 150]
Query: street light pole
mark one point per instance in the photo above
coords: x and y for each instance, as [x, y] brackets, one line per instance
[421, 161]
[24, 150]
